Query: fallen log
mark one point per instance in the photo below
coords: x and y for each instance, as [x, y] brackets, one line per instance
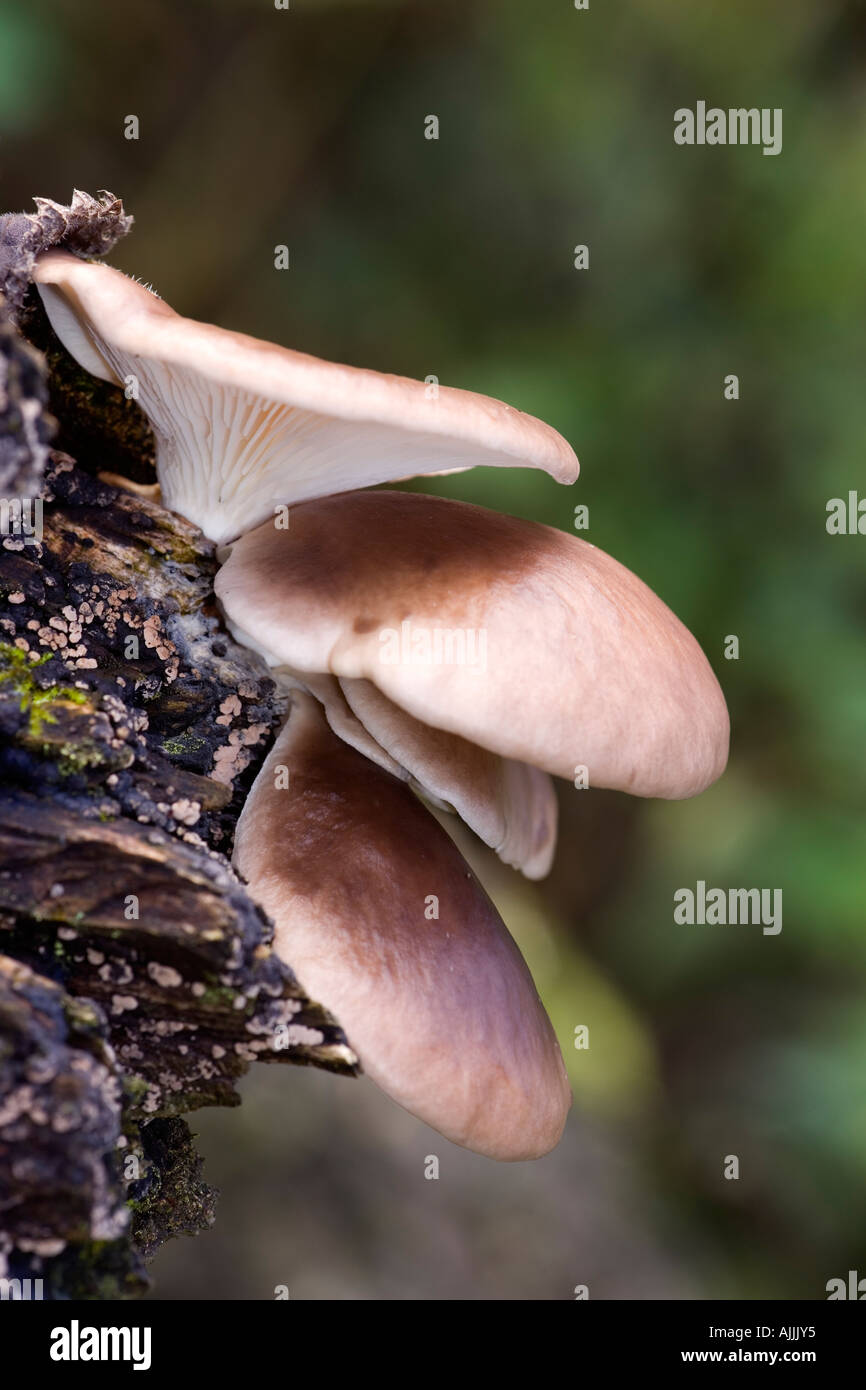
[137, 980]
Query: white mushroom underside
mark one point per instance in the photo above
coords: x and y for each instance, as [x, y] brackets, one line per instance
[236, 460]
[227, 458]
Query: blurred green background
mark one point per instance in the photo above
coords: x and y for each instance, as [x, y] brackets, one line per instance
[455, 258]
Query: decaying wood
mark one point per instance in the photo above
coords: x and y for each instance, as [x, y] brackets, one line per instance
[136, 976]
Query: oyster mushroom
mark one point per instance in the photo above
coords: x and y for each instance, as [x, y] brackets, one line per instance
[437, 1000]
[584, 666]
[244, 426]
[574, 663]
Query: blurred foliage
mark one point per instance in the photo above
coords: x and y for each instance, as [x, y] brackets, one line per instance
[455, 258]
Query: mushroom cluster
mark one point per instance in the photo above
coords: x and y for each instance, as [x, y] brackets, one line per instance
[435, 652]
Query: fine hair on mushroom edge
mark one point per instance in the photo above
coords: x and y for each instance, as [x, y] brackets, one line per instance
[583, 667]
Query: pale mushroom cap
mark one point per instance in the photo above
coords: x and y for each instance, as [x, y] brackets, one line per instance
[442, 1010]
[583, 665]
[244, 426]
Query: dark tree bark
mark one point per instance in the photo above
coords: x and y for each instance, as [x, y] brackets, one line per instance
[137, 980]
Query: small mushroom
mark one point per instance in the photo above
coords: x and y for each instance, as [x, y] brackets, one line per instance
[384, 923]
[243, 426]
[584, 666]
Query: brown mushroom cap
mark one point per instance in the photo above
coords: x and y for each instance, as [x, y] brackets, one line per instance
[244, 426]
[442, 1010]
[584, 665]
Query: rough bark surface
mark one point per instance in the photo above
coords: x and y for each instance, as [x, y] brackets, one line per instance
[137, 980]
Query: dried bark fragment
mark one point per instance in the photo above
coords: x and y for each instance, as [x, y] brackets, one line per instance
[93, 419]
[87, 226]
[172, 1181]
[191, 991]
[60, 1093]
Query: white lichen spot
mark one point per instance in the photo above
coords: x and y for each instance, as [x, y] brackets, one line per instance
[299, 1034]
[164, 975]
[186, 811]
[230, 707]
[123, 1003]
